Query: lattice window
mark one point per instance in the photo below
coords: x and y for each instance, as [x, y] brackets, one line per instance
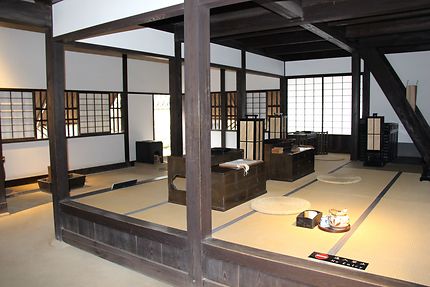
[256, 104]
[41, 114]
[94, 109]
[231, 111]
[216, 111]
[71, 114]
[273, 103]
[17, 117]
[115, 113]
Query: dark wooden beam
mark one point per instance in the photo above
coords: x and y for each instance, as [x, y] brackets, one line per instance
[124, 108]
[223, 109]
[355, 117]
[241, 87]
[389, 27]
[366, 91]
[197, 132]
[396, 40]
[55, 70]
[284, 100]
[283, 39]
[328, 10]
[315, 55]
[301, 48]
[132, 22]
[393, 88]
[3, 202]
[254, 34]
[25, 13]
[175, 91]
[290, 13]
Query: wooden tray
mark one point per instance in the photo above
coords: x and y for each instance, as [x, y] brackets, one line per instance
[334, 230]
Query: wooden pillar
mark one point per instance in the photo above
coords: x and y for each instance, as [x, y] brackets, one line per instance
[223, 109]
[197, 132]
[3, 202]
[355, 122]
[366, 91]
[175, 90]
[124, 108]
[241, 88]
[56, 127]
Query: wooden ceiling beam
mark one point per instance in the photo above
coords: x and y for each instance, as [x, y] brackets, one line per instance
[298, 37]
[315, 55]
[325, 32]
[389, 27]
[329, 10]
[396, 40]
[25, 13]
[301, 48]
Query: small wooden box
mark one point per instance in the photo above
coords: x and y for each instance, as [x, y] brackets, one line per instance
[308, 218]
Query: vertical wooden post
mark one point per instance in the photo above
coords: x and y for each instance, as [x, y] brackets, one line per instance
[284, 99]
[124, 108]
[223, 109]
[241, 87]
[56, 127]
[366, 91]
[175, 90]
[355, 122]
[3, 202]
[197, 120]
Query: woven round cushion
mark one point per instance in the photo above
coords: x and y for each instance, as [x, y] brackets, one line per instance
[329, 157]
[280, 205]
[339, 179]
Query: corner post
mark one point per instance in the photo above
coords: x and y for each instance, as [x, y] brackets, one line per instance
[55, 70]
[366, 91]
[197, 119]
[124, 108]
[355, 122]
[241, 87]
[223, 109]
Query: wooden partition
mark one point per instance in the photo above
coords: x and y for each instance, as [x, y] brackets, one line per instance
[158, 251]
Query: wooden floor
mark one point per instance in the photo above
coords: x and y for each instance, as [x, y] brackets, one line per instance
[388, 222]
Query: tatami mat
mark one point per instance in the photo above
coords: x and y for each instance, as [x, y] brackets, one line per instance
[394, 237]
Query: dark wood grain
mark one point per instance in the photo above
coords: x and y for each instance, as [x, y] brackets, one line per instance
[241, 88]
[25, 13]
[153, 269]
[124, 108]
[223, 108]
[355, 117]
[175, 90]
[366, 92]
[55, 73]
[197, 120]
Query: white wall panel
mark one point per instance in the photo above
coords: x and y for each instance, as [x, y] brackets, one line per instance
[259, 82]
[230, 80]
[95, 151]
[260, 63]
[143, 40]
[231, 139]
[148, 76]
[320, 66]
[72, 15]
[215, 138]
[140, 120]
[215, 80]
[22, 59]
[93, 72]
[222, 55]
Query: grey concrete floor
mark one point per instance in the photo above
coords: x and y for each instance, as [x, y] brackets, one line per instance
[29, 256]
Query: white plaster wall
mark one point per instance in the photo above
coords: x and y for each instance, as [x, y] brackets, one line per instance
[22, 59]
[230, 80]
[32, 158]
[93, 72]
[215, 138]
[148, 76]
[26, 159]
[140, 121]
[260, 63]
[320, 66]
[94, 12]
[215, 80]
[231, 139]
[95, 151]
[259, 82]
[143, 40]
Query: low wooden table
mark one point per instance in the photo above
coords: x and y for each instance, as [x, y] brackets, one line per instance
[230, 187]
